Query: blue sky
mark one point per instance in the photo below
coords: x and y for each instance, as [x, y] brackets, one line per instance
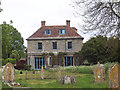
[28, 14]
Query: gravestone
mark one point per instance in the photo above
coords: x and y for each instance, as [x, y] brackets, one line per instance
[68, 80]
[8, 73]
[114, 77]
[99, 73]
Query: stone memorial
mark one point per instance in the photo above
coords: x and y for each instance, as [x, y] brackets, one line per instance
[67, 80]
[99, 73]
[114, 77]
[8, 73]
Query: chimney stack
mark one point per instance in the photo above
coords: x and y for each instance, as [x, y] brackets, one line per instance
[42, 23]
[68, 22]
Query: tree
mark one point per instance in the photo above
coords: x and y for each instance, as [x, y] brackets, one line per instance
[11, 40]
[93, 50]
[102, 17]
[101, 49]
[15, 55]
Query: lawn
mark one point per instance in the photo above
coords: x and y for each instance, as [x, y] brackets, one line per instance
[83, 81]
[84, 78]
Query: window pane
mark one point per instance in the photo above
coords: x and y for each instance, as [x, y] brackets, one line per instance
[39, 45]
[69, 45]
[54, 45]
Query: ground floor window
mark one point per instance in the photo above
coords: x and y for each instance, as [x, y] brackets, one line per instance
[50, 62]
[39, 61]
[68, 61]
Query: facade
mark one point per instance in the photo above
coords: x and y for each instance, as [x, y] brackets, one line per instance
[54, 45]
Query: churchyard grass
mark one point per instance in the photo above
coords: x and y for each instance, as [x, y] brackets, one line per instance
[83, 81]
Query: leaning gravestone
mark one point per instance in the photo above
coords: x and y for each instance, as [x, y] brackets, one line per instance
[8, 73]
[114, 77]
[99, 73]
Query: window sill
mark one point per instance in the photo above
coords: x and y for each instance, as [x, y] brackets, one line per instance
[54, 49]
[70, 49]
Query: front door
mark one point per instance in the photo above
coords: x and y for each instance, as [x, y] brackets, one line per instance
[39, 61]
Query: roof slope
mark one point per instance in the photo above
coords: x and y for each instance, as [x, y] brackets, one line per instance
[70, 32]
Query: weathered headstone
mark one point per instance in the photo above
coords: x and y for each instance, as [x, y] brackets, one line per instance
[8, 73]
[99, 73]
[59, 73]
[114, 77]
[42, 72]
[67, 80]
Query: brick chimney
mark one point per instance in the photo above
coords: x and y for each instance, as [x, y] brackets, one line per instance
[68, 22]
[42, 23]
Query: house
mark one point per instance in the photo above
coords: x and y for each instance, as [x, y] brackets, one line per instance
[54, 45]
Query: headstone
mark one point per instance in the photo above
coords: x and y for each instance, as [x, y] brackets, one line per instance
[114, 77]
[67, 80]
[8, 73]
[99, 73]
[42, 73]
[59, 73]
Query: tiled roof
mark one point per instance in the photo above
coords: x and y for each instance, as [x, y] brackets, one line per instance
[70, 32]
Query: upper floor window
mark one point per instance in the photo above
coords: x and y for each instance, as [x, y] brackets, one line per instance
[69, 45]
[54, 45]
[62, 31]
[47, 32]
[39, 46]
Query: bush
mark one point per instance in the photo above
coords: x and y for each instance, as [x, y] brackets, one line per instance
[20, 65]
[3, 61]
[11, 60]
[27, 67]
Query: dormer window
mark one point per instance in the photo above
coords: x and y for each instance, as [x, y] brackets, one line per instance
[62, 31]
[47, 32]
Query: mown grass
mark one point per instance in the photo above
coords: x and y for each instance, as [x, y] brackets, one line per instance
[84, 77]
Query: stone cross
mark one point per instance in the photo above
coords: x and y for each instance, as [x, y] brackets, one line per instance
[8, 73]
[99, 73]
[114, 77]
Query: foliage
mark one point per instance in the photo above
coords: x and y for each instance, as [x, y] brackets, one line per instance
[11, 60]
[101, 49]
[4, 61]
[11, 40]
[27, 67]
[62, 53]
[51, 54]
[102, 17]
[93, 50]
[15, 55]
[20, 65]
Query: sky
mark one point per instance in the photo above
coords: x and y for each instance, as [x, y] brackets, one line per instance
[28, 14]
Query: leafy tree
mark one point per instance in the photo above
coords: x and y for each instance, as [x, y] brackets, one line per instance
[93, 50]
[101, 49]
[15, 55]
[102, 17]
[11, 40]
[113, 50]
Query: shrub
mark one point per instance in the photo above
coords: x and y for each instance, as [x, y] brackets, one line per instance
[3, 61]
[20, 65]
[27, 67]
[11, 60]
